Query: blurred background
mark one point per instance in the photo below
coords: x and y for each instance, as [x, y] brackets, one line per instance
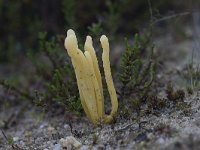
[21, 21]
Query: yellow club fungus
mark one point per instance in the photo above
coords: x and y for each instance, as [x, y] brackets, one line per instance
[89, 79]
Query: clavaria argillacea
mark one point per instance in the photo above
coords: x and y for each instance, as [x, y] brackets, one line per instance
[89, 79]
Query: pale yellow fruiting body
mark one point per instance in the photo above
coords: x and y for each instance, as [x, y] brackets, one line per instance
[89, 47]
[95, 86]
[108, 76]
[89, 79]
[82, 74]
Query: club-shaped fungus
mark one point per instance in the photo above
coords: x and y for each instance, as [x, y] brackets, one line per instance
[89, 79]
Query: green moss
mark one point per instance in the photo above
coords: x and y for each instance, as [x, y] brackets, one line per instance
[137, 71]
[155, 103]
[177, 98]
[57, 78]
[174, 96]
[181, 106]
[94, 139]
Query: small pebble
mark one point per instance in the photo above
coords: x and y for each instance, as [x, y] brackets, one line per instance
[160, 141]
[57, 147]
[21, 143]
[51, 128]
[48, 142]
[69, 142]
[99, 147]
[15, 139]
[84, 147]
[43, 125]
[66, 126]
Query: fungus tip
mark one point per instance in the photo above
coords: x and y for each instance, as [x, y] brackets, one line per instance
[70, 32]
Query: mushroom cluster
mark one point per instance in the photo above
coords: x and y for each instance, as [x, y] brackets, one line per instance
[89, 79]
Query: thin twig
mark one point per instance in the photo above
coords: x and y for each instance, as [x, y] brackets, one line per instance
[150, 9]
[14, 146]
[4, 135]
[171, 17]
